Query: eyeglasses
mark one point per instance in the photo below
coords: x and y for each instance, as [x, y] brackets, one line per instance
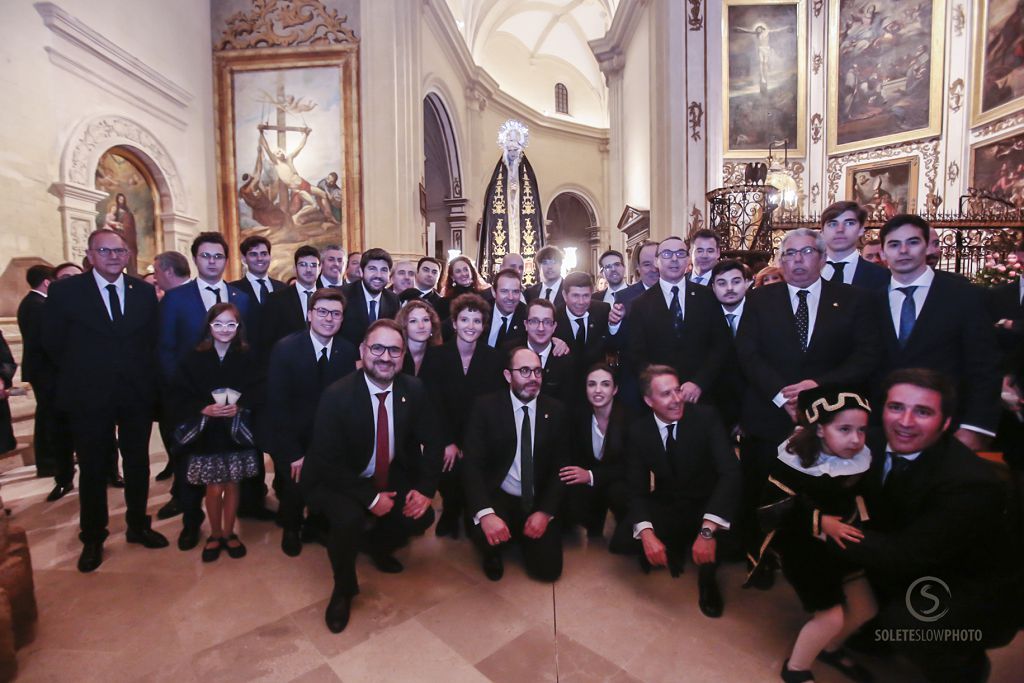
[220, 327]
[211, 257]
[540, 322]
[806, 252]
[379, 349]
[678, 253]
[548, 262]
[525, 372]
[612, 266]
[111, 251]
[308, 264]
[328, 313]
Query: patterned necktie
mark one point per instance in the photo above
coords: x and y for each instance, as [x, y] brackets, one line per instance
[383, 457]
[908, 314]
[677, 312]
[502, 331]
[731, 319]
[264, 292]
[373, 310]
[837, 271]
[803, 319]
[115, 303]
[526, 461]
[216, 294]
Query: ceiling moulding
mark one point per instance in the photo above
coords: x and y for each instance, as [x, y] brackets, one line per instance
[72, 30]
[609, 49]
[481, 89]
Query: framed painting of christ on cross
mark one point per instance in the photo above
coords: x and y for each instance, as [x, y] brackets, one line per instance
[288, 149]
[885, 72]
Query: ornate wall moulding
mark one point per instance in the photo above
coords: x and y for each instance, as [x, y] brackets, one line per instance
[927, 151]
[695, 117]
[816, 120]
[998, 126]
[302, 23]
[816, 63]
[956, 95]
[952, 172]
[695, 17]
[959, 20]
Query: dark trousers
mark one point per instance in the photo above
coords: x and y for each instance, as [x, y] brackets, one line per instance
[291, 502]
[189, 496]
[588, 506]
[96, 436]
[55, 452]
[676, 524]
[450, 488]
[756, 458]
[354, 527]
[542, 556]
[252, 493]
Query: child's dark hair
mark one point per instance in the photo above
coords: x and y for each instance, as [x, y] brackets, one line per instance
[238, 342]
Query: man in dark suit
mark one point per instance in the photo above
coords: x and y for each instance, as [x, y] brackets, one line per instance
[428, 272]
[548, 263]
[612, 266]
[795, 335]
[696, 485]
[182, 324]
[50, 436]
[589, 327]
[515, 444]
[257, 283]
[353, 271]
[1007, 302]
[730, 281]
[368, 300]
[842, 226]
[99, 329]
[302, 365]
[403, 277]
[171, 270]
[555, 356]
[508, 322]
[679, 324]
[705, 251]
[286, 310]
[938, 550]
[333, 260]
[375, 455]
[931, 319]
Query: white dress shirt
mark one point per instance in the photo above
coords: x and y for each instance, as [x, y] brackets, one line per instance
[496, 321]
[609, 294]
[371, 297]
[105, 295]
[544, 353]
[596, 445]
[210, 298]
[738, 312]
[851, 260]
[317, 347]
[554, 287]
[513, 482]
[254, 281]
[303, 299]
[666, 290]
[576, 326]
[701, 279]
[389, 404]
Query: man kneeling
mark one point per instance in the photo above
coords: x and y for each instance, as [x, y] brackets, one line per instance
[365, 464]
[684, 483]
[515, 445]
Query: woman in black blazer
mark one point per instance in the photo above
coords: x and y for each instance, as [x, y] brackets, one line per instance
[215, 425]
[596, 481]
[462, 278]
[456, 374]
[422, 329]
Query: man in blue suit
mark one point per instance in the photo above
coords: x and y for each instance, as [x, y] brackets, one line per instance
[182, 319]
[842, 226]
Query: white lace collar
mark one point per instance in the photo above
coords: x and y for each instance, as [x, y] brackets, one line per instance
[831, 465]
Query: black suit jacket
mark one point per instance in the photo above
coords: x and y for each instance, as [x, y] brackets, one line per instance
[282, 315]
[7, 369]
[843, 350]
[101, 364]
[612, 465]
[624, 296]
[438, 302]
[1005, 304]
[698, 356]
[257, 311]
[559, 373]
[701, 472]
[357, 318]
[599, 339]
[954, 335]
[294, 388]
[246, 286]
[490, 445]
[727, 394]
[344, 435]
[534, 291]
[453, 391]
[870, 276]
[34, 366]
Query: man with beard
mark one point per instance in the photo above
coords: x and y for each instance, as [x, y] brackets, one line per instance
[730, 281]
[515, 445]
[353, 272]
[368, 300]
[613, 267]
[374, 461]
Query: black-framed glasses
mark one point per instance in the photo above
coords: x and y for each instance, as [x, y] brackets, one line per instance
[111, 251]
[379, 349]
[328, 313]
[540, 322]
[525, 372]
[613, 265]
[207, 256]
[806, 252]
[678, 253]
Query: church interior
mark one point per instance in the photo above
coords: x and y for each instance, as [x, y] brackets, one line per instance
[643, 119]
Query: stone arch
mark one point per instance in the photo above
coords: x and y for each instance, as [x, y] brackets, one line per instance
[572, 218]
[446, 205]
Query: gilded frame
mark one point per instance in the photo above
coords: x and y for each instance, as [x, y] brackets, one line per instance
[977, 146]
[797, 146]
[979, 117]
[227, 63]
[935, 82]
[913, 177]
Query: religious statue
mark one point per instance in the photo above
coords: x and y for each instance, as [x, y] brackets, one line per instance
[513, 219]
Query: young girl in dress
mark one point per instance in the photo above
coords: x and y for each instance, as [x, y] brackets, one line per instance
[218, 385]
[813, 499]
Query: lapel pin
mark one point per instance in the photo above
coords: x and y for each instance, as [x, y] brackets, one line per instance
[545, 416]
[403, 399]
[835, 304]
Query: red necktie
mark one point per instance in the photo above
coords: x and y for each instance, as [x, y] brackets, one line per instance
[382, 459]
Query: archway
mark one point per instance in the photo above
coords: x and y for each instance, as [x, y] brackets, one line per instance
[572, 224]
[442, 179]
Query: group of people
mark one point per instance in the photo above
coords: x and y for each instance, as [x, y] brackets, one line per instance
[822, 419]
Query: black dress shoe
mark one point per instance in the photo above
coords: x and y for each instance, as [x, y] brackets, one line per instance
[645, 565]
[709, 598]
[211, 551]
[675, 565]
[166, 473]
[795, 675]
[170, 509]
[447, 525]
[91, 557]
[59, 491]
[291, 544]
[762, 578]
[264, 514]
[147, 538]
[388, 564]
[116, 481]
[338, 610]
[840, 659]
[494, 567]
[236, 551]
[188, 538]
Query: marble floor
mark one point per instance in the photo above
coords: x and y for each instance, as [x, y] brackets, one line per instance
[162, 615]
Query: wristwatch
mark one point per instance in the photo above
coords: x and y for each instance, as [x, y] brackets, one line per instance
[707, 533]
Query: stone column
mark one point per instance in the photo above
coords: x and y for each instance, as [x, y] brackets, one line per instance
[669, 189]
[78, 217]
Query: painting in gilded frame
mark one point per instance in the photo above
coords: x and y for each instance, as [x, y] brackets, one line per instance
[998, 60]
[131, 206]
[884, 188]
[997, 165]
[885, 72]
[763, 56]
